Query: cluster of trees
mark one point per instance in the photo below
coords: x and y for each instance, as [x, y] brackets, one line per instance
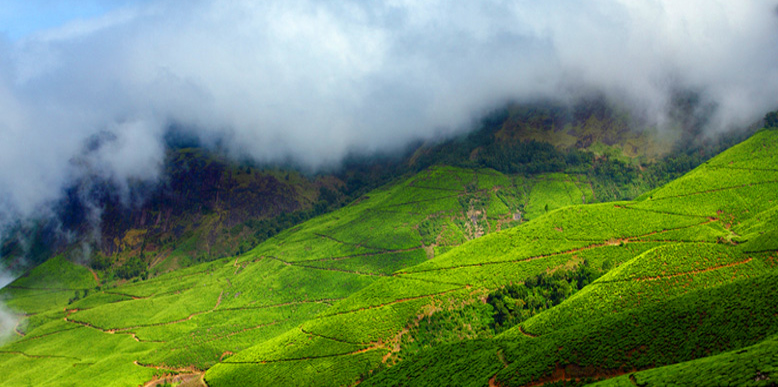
[513, 304]
[134, 266]
[771, 120]
[77, 296]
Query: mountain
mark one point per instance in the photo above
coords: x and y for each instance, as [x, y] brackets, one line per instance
[208, 206]
[452, 274]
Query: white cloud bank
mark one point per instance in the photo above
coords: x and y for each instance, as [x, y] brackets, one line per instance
[312, 80]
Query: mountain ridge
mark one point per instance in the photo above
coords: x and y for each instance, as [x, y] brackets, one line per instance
[403, 274]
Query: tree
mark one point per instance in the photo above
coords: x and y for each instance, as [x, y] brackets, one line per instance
[771, 120]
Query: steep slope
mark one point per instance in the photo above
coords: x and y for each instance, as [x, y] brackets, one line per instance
[190, 319]
[207, 206]
[692, 292]
[748, 366]
[672, 248]
[405, 273]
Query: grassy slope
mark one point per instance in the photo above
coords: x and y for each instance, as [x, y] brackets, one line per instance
[668, 302]
[340, 297]
[191, 319]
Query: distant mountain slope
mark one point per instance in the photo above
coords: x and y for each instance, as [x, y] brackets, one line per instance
[208, 206]
[407, 276]
[670, 246]
[199, 315]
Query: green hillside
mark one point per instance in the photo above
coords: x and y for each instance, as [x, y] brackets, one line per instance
[452, 276]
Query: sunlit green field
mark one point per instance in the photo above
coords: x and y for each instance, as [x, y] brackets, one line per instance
[392, 290]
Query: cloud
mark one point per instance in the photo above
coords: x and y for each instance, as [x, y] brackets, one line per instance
[8, 322]
[8, 319]
[313, 80]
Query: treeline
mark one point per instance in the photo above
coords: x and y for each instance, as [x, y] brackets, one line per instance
[513, 304]
[613, 178]
[618, 178]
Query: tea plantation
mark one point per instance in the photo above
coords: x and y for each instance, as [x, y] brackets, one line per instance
[678, 287]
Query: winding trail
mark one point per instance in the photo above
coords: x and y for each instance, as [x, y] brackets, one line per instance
[357, 352]
[28, 338]
[40, 356]
[416, 202]
[356, 245]
[396, 301]
[746, 169]
[287, 263]
[124, 330]
[594, 245]
[525, 333]
[97, 279]
[332, 338]
[319, 301]
[176, 374]
[216, 338]
[16, 328]
[766, 182]
[384, 252]
[693, 272]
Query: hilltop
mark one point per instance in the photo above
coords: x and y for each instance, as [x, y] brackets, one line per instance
[208, 206]
[449, 275]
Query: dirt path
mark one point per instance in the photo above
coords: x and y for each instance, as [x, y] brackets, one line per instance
[217, 338]
[493, 379]
[436, 188]
[16, 328]
[218, 300]
[560, 374]
[525, 333]
[417, 201]
[404, 276]
[28, 338]
[97, 279]
[319, 301]
[125, 330]
[159, 258]
[715, 190]
[594, 245]
[326, 268]
[383, 252]
[630, 207]
[357, 245]
[177, 375]
[357, 352]
[332, 338]
[126, 295]
[52, 290]
[40, 356]
[693, 272]
[368, 347]
[158, 279]
[397, 301]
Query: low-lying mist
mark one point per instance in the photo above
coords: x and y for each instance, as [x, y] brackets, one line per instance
[313, 81]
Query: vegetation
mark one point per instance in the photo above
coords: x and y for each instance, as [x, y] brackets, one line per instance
[515, 303]
[455, 275]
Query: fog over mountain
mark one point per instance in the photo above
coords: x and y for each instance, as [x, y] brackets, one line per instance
[314, 80]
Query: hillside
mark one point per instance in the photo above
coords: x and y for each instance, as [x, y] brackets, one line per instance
[451, 276]
[208, 206]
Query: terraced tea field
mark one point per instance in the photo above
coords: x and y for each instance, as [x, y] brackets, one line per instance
[391, 290]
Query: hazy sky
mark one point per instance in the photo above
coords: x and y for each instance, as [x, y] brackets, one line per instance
[313, 80]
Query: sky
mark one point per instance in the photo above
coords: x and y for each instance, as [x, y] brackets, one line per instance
[22, 18]
[312, 81]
